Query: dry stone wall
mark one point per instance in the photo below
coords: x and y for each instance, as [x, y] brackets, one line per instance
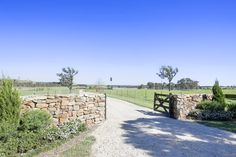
[183, 104]
[89, 108]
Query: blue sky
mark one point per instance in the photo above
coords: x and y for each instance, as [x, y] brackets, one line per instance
[126, 39]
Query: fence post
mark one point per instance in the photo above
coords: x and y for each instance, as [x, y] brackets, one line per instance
[105, 106]
[172, 102]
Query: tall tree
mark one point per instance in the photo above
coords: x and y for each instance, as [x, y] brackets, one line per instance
[9, 108]
[218, 94]
[67, 77]
[168, 72]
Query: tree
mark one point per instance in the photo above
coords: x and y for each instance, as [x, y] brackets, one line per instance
[169, 73]
[187, 83]
[218, 93]
[9, 108]
[67, 77]
[150, 85]
[141, 86]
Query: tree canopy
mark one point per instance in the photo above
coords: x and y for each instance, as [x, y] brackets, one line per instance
[67, 77]
[168, 72]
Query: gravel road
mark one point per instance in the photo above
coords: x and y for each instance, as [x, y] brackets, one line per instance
[133, 131]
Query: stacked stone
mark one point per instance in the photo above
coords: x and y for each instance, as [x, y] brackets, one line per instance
[184, 104]
[89, 108]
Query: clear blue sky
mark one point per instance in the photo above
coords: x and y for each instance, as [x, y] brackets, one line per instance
[127, 39]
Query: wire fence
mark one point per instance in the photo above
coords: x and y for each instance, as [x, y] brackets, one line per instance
[140, 97]
[46, 90]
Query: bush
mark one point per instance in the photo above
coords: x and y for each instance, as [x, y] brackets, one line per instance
[232, 108]
[64, 131]
[35, 120]
[218, 95]
[211, 106]
[9, 108]
[210, 115]
[32, 136]
[28, 140]
[71, 128]
[9, 147]
[52, 134]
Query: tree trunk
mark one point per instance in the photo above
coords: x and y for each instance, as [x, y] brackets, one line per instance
[169, 86]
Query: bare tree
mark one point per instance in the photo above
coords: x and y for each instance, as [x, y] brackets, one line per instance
[168, 72]
[66, 78]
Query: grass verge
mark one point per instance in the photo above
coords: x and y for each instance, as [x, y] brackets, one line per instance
[82, 149]
[225, 125]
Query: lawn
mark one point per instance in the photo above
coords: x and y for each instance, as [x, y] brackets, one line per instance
[45, 90]
[144, 97]
[225, 125]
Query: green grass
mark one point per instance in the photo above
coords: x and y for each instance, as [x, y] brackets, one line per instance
[144, 97]
[45, 90]
[225, 125]
[82, 149]
[45, 148]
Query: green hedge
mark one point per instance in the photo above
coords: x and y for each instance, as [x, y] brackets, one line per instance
[211, 106]
[232, 108]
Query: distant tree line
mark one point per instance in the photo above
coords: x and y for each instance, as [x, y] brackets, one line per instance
[28, 83]
[184, 83]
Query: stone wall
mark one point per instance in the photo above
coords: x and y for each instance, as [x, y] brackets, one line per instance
[183, 104]
[89, 108]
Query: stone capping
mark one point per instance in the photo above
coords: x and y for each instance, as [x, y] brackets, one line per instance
[90, 108]
[183, 104]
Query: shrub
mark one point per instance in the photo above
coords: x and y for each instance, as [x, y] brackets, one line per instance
[64, 131]
[9, 147]
[218, 95]
[35, 120]
[211, 106]
[52, 134]
[210, 115]
[71, 128]
[232, 108]
[28, 140]
[31, 136]
[9, 108]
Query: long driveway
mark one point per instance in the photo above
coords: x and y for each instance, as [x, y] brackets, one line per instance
[133, 131]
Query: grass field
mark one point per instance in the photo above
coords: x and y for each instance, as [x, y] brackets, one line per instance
[144, 97]
[45, 90]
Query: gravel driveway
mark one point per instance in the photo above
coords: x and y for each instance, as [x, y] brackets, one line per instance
[133, 131]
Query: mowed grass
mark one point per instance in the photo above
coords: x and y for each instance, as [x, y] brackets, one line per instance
[225, 125]
[82, 149]
[45, 90]
[144, 97]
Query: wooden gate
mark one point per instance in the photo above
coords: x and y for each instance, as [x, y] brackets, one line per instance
[163, 101]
